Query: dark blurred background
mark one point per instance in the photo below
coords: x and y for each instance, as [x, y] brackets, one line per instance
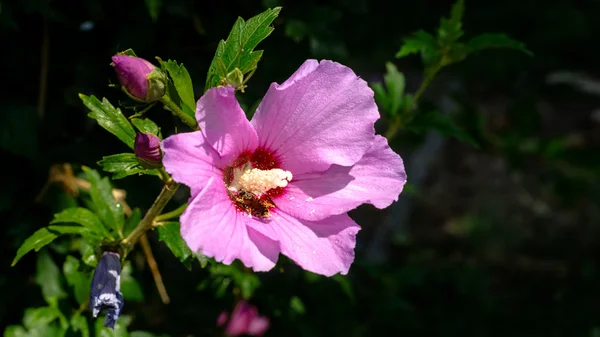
[499, 239]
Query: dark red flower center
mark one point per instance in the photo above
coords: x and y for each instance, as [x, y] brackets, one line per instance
[253, 180]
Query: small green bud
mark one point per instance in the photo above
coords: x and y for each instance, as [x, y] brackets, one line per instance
[236, 79]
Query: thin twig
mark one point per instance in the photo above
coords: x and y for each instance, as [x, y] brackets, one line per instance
[43, 70]
[160, 286]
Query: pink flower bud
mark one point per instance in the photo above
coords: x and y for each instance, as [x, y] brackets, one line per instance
[244, 320]
[139, 78]
[147, 150]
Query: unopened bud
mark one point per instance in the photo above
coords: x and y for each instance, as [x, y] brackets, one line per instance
[147, 150]
[140, 79]
[235, 78]
[244, 320]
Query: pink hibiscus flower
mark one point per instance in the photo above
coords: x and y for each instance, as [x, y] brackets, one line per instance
[284, 181]
[244, 320]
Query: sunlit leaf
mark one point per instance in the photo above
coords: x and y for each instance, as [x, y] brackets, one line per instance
[123, 165]
[238, 50]
[108, 210]
[110, 118]
[170, 235]
[44, 236]
[83, 217]
[146, 125]
[183, 85]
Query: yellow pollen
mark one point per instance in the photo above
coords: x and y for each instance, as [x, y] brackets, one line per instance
[258, 181]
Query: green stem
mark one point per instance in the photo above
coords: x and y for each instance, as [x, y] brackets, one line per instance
[176, 110]
[164, 176]
[146, 224]
[396, 124]
[172, 214]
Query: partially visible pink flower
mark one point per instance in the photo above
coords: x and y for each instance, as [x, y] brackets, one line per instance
[244, 320]
[222, 319]
[283, 182]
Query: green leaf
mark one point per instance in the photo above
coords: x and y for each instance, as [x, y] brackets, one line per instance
[44, 236]
[491, 40]
[107, 208]
[131, 289]
[395, 82]
[83, 217]
[110, 118]
[238, 50]
[390, 100]
[153, 7]
[88, 254]
[79, 324]
[48, 277]
[183, 84]
[202, 259]
[120, 329]
[80, 281]
[423, 43]
[380, 95]
[296, 305]
[146, 125]
[36, 317]
[37, 241]
[451, 28]
[169, 234]
[123, 165]
[15, 331]
[132, 221]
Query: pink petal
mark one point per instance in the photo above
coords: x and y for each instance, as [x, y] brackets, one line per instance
[324, 247]
[190, 160]
[214, 226]
[224, 123]
[258, 326]
[378, 178]
[322, 115]
[241, 317]
[222, 319]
